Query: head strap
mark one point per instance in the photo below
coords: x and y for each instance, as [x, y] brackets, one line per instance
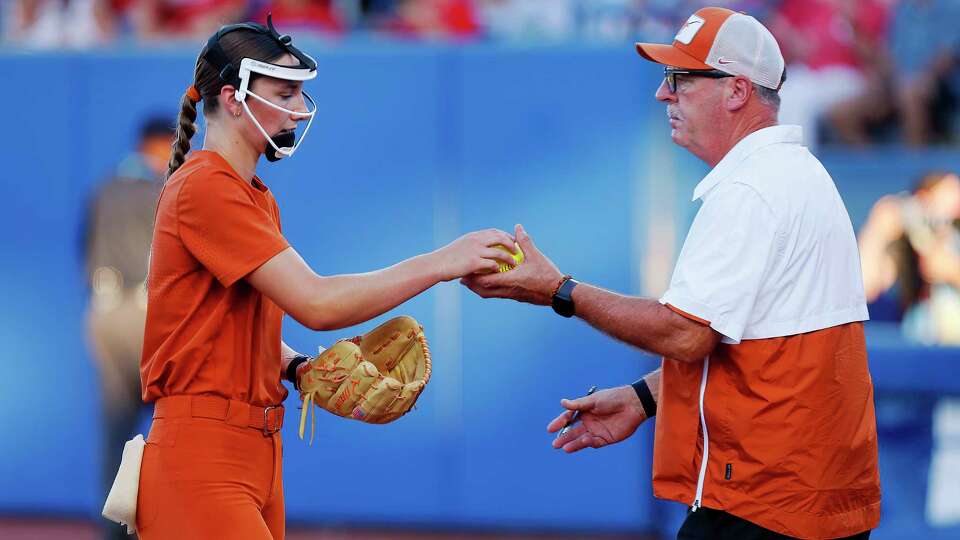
[230, 73]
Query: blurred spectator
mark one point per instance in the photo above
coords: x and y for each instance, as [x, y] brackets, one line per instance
[921, 77]
[598, 20]
[299, 16]
[925, 44]
[609, 20]
[528, 19]
[832, 49]
[44, 24]
[117, 234]
[910, 249]
[153, 20]
[432, 18]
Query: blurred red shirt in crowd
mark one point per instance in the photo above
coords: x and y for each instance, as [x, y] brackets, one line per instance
[444, 18]
[302, 15]
[162, 18]
[821, 33]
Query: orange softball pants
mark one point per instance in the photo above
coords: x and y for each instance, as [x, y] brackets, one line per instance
[211, 469]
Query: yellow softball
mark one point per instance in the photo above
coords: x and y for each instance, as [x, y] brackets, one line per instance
[518, 257]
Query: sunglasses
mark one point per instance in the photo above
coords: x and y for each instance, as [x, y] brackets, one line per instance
[670, 75]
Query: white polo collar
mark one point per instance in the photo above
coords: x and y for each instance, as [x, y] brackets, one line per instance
[748, 145]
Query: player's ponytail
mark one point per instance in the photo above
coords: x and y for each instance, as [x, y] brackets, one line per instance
[186, 127]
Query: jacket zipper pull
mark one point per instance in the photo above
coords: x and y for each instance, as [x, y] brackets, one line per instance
[696, 506]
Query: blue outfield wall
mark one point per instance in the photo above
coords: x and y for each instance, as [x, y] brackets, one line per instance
[412, 146]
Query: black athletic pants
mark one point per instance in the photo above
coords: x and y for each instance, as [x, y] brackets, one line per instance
[708, 524]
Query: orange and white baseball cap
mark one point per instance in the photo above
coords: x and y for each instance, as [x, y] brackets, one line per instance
[718, 38]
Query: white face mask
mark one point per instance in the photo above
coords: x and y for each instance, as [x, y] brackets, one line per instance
[283, 145]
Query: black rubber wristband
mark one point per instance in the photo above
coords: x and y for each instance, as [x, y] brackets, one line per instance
[646, 398]
[292, 369]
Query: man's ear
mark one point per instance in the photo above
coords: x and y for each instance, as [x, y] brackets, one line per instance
[738, 93]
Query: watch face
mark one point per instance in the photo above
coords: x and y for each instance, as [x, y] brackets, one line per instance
[564, 307]
[562, 301]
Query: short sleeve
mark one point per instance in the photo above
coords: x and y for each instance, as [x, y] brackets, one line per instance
[724, 259]
[222, 225]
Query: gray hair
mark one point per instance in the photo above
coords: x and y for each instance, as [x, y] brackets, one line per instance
[768, 96]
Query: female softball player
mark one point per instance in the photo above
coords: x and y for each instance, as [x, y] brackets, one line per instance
[222, 276]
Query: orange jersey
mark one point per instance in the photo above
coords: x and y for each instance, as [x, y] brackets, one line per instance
[208, 331]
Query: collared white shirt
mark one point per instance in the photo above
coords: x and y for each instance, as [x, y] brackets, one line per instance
[772, 251]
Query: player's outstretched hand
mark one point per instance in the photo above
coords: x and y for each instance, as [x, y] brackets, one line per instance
[606, 417]
[473, 252]
[532, 281]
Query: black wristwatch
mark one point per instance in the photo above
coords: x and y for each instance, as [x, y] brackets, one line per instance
[292, 368]
[563, 298]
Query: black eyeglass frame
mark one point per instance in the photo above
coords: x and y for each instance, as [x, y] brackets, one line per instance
[670, 75]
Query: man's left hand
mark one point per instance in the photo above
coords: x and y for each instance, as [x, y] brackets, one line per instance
[607, 417]
[533, 281]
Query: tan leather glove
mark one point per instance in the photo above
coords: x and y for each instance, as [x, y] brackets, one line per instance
[374, 378]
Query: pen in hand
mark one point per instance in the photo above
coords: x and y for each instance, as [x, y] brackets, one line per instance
[576, 416]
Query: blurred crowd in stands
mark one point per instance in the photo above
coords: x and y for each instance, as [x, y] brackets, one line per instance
[860, 71]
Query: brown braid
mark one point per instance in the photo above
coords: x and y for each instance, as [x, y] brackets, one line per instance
[185, 130]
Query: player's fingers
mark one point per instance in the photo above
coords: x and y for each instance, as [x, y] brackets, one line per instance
[557, 423]
[496, 236]
[570, 436]
[499, 255]
[487, 264]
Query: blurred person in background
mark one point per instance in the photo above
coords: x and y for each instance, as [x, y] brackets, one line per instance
[910, 253]
[51, 24]
[302, 16]
[595, 20]
[157, 20]
[658, 20]
[925, 48]
[609, 20]
[118, 229]
[449, 19]
[920, 78]
[528, 19]
[833, 50]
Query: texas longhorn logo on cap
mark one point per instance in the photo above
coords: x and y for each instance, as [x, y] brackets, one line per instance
[718, 38]
[689, 30]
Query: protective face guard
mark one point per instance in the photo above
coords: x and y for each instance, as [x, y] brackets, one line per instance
[248, 66]
[239, 76]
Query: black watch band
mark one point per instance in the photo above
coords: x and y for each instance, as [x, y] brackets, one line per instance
[646, 398]
[292, 368]
[563, 298]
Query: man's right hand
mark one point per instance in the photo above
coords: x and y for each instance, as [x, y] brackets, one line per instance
[606, 417]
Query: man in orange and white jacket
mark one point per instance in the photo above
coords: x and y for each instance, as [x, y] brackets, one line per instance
[766, 423]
